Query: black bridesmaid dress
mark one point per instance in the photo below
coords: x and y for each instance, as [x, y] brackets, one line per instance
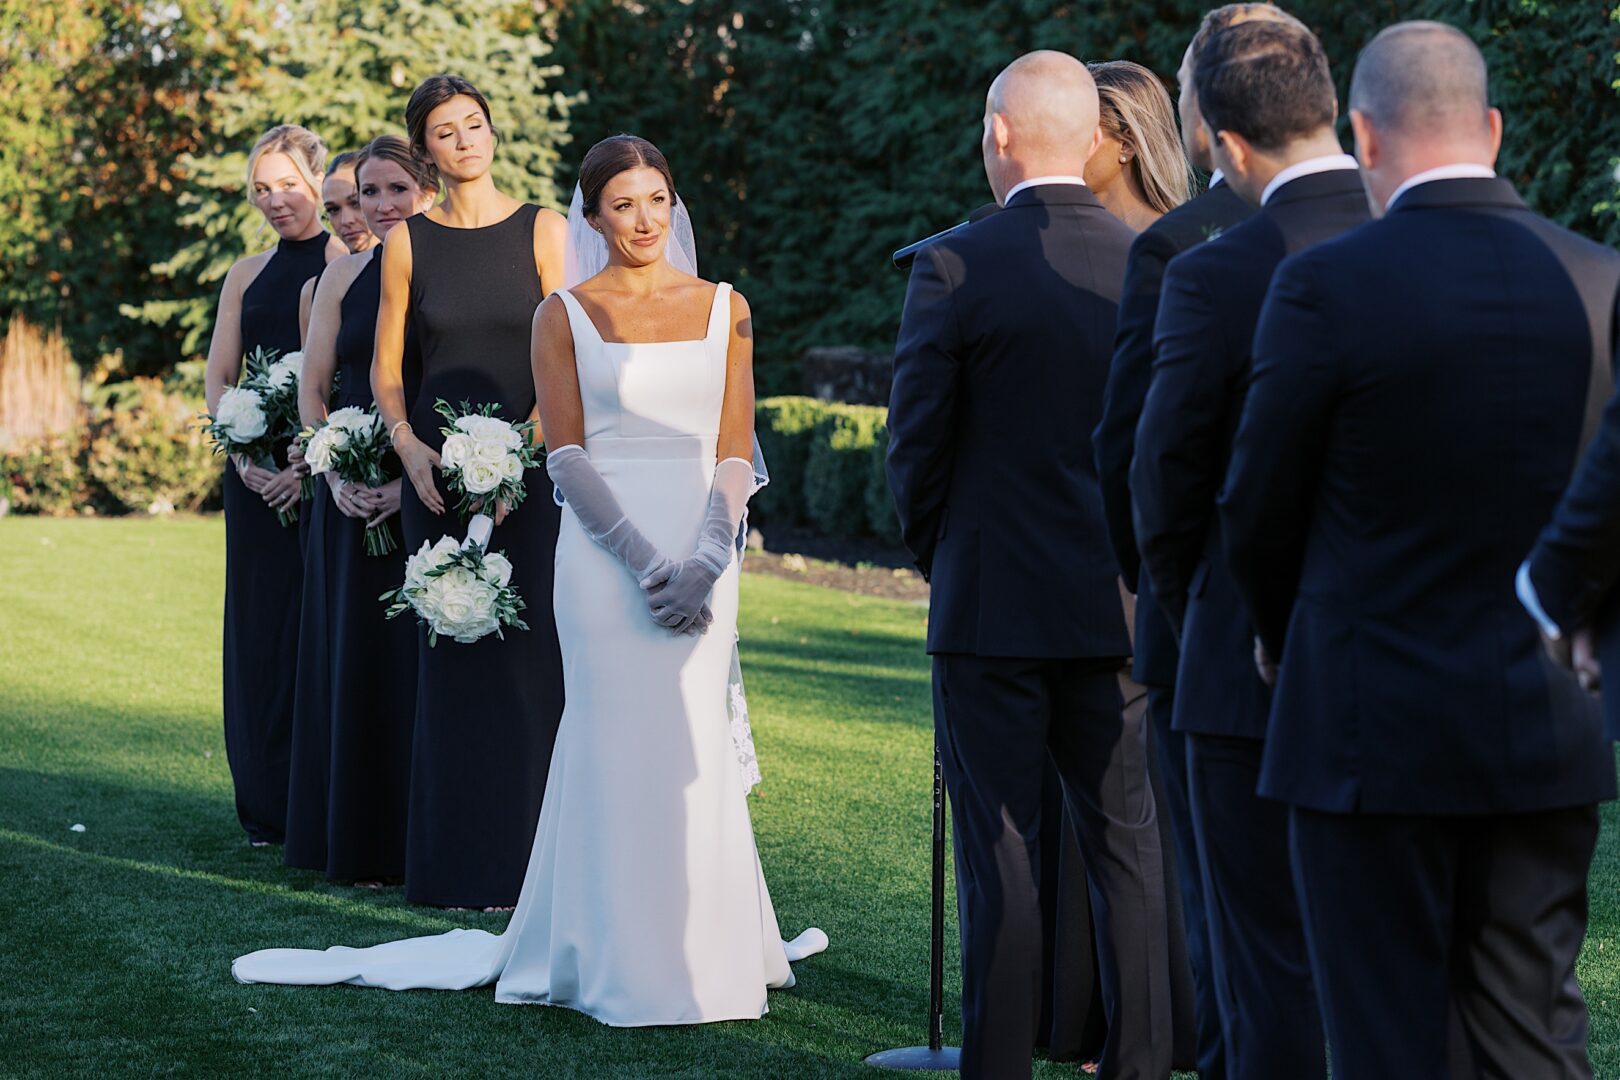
[351, 761]
[263, 577]
[486, 713]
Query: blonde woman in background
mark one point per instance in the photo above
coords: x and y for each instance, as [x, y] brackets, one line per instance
[1140, 171]
[258, 308]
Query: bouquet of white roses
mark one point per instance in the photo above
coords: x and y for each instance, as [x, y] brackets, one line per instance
[458, 589]
[352, 445]
[242, 424]
[277, 379]
[483, 458]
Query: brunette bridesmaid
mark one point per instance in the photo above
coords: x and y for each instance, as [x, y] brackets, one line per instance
[258, 308]
[468, 275]
[350, 782]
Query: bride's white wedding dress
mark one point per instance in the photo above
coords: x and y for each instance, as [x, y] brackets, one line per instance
[644, 902]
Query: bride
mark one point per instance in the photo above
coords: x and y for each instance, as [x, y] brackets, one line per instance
[644, 902]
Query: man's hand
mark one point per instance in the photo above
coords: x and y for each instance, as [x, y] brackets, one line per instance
[1584, 659]
[1264, 664]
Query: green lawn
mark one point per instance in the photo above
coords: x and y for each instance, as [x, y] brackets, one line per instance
[115, 943]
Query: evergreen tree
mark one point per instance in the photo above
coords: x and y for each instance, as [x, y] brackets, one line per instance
[345, 72]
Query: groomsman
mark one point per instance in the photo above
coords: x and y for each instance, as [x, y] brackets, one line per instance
[1156, 652]
[1417, 394]
[998, 376]
[1571, 582]
[1269, 102]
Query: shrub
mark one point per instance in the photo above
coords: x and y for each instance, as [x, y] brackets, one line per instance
[786, 426]
[880, 515]
[837, 474]
[45, 476]
[149, 455]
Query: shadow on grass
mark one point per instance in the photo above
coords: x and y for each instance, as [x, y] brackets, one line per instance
[123, 937]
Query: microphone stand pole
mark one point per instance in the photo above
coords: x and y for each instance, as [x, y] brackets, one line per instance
[935, 1057]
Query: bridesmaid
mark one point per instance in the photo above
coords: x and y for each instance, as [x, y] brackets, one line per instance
[468, 276]
[351, 746]
[340, 203]
[312, 692]
[258, 308]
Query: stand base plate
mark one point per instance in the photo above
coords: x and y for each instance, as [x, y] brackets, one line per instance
[918, 1059]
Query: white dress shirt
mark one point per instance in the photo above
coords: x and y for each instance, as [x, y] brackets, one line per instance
[1216, 177]
[1035, 180]
[1330, 163]
[1460, 171]
[1526, 590]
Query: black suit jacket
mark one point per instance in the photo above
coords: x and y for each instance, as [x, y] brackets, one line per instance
[1202, 342]
[1417, 395]
[998, 376]
[1575, 566]
[1114, 441]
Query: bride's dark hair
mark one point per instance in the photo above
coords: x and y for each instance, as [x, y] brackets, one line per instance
[429, 94]
[612, 156]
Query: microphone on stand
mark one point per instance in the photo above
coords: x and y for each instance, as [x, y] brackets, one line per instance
[904, 257]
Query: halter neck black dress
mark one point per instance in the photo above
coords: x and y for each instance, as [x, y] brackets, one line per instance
[263, 577]
[349, 791]
[486, 713]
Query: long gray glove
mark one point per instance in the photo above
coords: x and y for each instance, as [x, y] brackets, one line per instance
[679, 591]
[600, 515]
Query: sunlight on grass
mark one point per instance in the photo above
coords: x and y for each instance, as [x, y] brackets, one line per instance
[118, 940]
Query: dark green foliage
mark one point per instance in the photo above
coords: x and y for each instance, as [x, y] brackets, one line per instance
[345, 72]
[785, 426]
[812, 137]
[837, 473]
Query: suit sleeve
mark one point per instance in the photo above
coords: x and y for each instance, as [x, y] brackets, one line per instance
[1277, 455]
[1575, 565]
[923, 400]
[1114, 441]
[1179, 452]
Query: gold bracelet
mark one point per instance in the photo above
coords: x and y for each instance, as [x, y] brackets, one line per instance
[395, 430]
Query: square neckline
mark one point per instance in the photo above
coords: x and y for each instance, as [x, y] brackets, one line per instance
[714, 303]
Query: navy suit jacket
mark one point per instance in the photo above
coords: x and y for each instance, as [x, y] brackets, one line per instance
[1188, 225]
[1417, 396]
[998, 377]
[1575, 566]
[1202, 344]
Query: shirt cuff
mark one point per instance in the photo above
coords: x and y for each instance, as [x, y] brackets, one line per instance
[1526, 590]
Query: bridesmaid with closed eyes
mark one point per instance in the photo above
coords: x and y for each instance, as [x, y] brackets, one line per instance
[467, 276]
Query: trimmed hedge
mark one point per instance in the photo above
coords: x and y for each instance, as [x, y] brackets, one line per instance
[826, 464]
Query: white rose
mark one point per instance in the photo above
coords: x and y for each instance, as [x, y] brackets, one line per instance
[457, 450]
[417, 566]
[458, 599]
[320, 453]
[479, 478]
[488, 429]
[351, 419]
[286, 371]
[241, 414]
[426, 602]
[510, 467]
[497, 568]
[490, 453]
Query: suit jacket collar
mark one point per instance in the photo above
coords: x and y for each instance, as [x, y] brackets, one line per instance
[1053, 195]
[1321, 185]
[1468, 191]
